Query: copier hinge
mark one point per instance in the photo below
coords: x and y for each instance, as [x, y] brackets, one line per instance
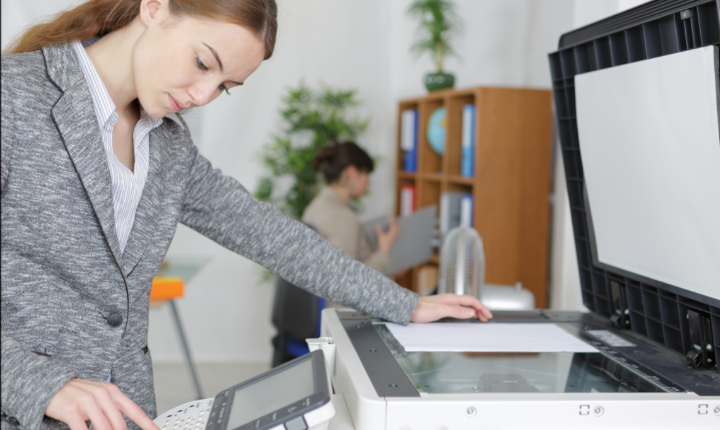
[702, 351]
[621, 313]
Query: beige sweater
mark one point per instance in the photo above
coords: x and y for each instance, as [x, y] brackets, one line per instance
[330, 215]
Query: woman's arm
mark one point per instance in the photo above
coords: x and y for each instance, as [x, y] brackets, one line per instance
[378, 260]
[7, 123]
[29, 380]
[220, 208]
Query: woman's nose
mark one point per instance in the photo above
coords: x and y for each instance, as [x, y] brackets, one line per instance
[202, 93]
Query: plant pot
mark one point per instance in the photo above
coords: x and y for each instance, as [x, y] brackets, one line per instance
[439, 81]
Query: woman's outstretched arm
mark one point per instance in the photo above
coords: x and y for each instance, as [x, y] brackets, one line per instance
[219, 207]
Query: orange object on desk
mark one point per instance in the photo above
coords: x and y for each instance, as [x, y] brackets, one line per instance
[166, 288]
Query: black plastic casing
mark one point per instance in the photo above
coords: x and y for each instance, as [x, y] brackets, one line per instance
[222, 406]
[660, 311]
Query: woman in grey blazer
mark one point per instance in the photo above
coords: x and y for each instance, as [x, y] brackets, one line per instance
[96, 173]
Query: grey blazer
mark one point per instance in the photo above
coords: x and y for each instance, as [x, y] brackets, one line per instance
[72, 305]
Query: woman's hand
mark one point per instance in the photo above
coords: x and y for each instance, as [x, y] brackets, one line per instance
[387, 239]
[432, 308]
[80, 400]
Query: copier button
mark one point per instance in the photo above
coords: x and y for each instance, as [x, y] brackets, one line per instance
[296, 424]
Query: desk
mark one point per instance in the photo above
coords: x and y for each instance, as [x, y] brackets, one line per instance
[185, 268]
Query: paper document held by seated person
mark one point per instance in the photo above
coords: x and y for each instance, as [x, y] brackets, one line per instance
[413, 244]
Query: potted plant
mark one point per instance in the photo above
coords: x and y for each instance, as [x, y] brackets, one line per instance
[311, 119]
[439, 23]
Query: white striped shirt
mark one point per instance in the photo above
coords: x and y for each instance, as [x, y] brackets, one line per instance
[127, 185]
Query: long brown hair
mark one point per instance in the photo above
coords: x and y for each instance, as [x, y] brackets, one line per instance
[100, 17]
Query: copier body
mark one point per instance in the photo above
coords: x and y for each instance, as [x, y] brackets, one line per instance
[658, 341]
[381, 393]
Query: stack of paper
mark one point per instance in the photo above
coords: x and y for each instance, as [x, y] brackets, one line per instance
[492, 337]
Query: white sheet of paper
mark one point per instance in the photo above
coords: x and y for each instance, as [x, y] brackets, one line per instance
[495, 337]
[651, 156]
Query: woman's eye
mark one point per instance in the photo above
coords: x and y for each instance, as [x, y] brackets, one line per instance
[224, 88]
[200, 64]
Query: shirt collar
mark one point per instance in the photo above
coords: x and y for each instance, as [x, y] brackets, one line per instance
[332, 196]
[104, 106]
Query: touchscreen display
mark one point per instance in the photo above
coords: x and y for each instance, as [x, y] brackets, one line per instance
[271, 393]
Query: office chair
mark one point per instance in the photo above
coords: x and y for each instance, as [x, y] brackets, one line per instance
[296, 316]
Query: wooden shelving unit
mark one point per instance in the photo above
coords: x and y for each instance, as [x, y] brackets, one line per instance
[511, 186]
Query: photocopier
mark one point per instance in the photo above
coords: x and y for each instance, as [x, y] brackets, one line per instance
[636, 99]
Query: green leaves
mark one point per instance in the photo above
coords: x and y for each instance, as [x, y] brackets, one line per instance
[311, 118]
[439, 23]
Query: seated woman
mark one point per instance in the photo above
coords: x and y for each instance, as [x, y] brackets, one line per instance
[345, 167]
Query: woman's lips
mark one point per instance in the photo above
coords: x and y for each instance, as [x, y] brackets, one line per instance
[177, 107]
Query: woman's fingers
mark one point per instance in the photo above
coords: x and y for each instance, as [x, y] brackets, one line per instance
[133, 411]
[469, 301]
[76, 423]
[100, 403]
[394, 226]
[432, 308]
[92, 412]
[104, 398]
[464, 300]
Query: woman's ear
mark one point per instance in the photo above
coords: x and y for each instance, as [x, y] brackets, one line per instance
[149, 10]
[347, 176]
[351, 172]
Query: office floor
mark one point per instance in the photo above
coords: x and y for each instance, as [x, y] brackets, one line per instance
[173, 386]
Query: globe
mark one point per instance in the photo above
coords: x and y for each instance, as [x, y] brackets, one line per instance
[436, 131]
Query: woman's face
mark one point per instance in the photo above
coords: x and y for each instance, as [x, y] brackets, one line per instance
[359, 180]
[181, 62]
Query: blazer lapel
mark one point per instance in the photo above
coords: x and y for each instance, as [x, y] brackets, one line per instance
[150, 200]
[75, 119]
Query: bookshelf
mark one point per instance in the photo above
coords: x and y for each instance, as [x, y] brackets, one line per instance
[511, 183]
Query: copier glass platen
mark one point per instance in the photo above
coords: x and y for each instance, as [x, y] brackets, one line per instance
[636, 100]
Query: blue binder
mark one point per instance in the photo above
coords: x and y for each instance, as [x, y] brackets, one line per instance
[409, 139]
[467, 165]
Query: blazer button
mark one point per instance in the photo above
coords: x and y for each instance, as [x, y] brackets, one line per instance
[115, 319]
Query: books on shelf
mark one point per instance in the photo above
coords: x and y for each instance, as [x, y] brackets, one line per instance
[407, 200]
[466, 210]
[456, 208]
[467, 164]
[450, 206]
[435, 239]
[409, 139]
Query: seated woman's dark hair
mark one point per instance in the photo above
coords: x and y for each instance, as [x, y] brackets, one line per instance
[335, 157]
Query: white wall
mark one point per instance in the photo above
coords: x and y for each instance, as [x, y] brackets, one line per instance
[359, 44]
